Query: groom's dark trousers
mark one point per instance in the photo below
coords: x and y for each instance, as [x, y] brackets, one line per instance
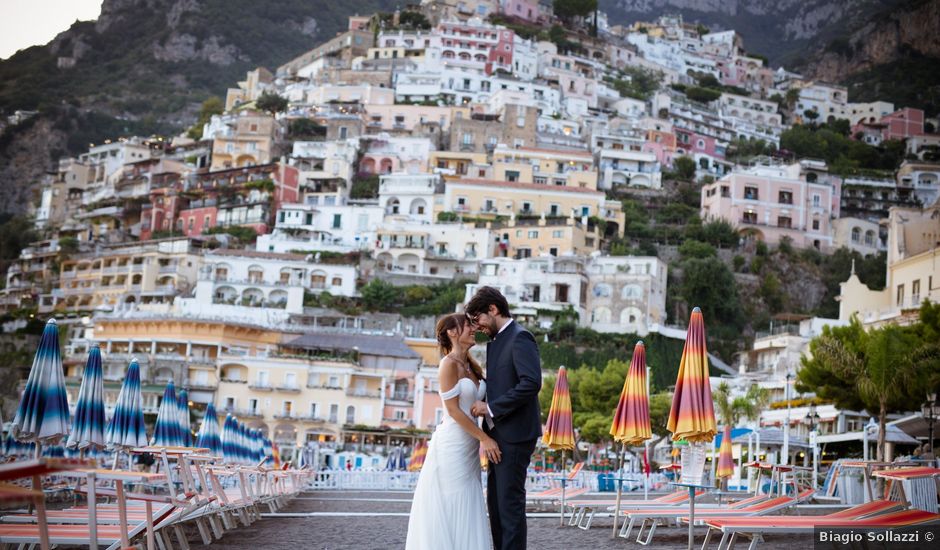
[513, 381]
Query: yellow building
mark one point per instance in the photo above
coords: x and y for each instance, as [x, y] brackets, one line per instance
[553, 167]
[248, 143]
[141, 273]
[456, 164]
[527, 237]
[913, 272]
[505, 198]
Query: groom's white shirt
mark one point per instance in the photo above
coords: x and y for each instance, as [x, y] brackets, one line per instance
[489, 418]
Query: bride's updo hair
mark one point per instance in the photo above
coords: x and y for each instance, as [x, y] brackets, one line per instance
[454, 321]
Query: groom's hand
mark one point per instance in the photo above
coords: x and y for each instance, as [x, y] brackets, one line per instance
[478, 409]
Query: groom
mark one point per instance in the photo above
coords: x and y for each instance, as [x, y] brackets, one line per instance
[511, 412]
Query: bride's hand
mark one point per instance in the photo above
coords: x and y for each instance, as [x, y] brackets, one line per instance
[491, 450]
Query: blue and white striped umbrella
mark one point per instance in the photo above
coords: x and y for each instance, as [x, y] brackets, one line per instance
[43, 413]
[267, 451]
[229, 443]
[14, 448]
[166, 433]
[242, 439]
[257, 445]
[126, 428]
[186, 429]
[88, 423]
[209, 432]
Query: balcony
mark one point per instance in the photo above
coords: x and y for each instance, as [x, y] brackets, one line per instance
[290, 388]
[375, 394]
[287, 415]
[323, 387]
[260, 386]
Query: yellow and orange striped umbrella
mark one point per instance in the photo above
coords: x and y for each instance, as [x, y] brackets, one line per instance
[631, 424]
[417, 458]
[692, 416]
[725, 460]
[559, 431]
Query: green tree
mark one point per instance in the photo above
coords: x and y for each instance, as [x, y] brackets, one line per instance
[16, 232]
[211, 106]
[811, 114]
[696, 249]
[378, 295]
[271, 102]
[853, 367]
[709, 284]
[568, 9]
[684, 167]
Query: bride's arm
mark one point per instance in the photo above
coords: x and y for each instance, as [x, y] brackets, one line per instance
[447, 375]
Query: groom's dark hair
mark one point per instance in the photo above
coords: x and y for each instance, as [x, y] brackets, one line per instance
[485, 297]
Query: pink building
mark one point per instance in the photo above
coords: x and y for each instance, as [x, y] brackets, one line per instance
[527, 10]
[903, 124]
[769, 202]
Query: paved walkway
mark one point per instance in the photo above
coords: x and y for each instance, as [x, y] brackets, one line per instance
[330, 520]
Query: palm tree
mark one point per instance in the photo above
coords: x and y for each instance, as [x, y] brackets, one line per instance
[748, 406]
[881, 365]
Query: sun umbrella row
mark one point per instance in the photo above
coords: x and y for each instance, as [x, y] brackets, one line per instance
[42, 418]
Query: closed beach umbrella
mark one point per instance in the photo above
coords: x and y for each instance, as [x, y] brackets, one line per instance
[209, 437]
[559, 430]
[229, 443]
[186, 428]
[631, 425]
[89, 421]
[725, 460]
[126, 428]
[692, 416]
[43, 412]
[267, 450]
[166, 433]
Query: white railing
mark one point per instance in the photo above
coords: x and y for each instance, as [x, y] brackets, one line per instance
[364, 480]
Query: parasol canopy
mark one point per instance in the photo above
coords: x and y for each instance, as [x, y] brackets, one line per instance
[692, 416]
[89, 421]
[725, 460]
[43, 412]
[209, 437]
[559, 431]
[631, 424]
[126, 428]
[166, 433]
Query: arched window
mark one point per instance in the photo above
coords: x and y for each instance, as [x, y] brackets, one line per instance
[632, 292]
[856, 234]
[602, 290]
[350, 415]
[870, 237]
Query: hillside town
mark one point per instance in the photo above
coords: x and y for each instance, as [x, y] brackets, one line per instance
[450, 146]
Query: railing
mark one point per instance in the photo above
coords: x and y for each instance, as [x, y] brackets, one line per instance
[364, 480]
[364, 393]
[288, 388]
[260, 386]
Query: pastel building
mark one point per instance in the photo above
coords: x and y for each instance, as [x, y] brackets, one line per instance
[446, 250]
[769, 202]
[338, 227]
[626, 294]
[552, 167]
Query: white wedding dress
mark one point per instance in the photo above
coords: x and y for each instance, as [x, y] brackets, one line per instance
[448, 511]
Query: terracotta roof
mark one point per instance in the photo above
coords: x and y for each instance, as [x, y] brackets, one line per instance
[527, 186]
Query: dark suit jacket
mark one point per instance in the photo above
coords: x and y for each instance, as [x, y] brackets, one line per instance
[513, 381]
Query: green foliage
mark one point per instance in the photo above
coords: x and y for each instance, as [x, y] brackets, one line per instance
[911, 81]
[413, 20]
[567, 9]
[885, 369]
[696, 249]
[718, 233]
[365, 186]
[709, 284]
[261, 185]
[16, 232]
[835, 269]
[811, 114]
[684, 167]
[845, 156]
[417, 294]
[213, 105]
[559, 36]
[304, 128]
[738, 262]
[636, 82]
[245, 235]
[447, 217]
[772, 292]
[742, 149]
[377, 295]
[272, 103]
[68, 245]
[703, 95]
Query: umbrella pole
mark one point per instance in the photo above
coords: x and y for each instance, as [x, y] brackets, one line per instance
[691, 515]
[561, 515]
[619, 480]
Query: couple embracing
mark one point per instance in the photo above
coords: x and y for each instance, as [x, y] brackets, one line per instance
[448, 510]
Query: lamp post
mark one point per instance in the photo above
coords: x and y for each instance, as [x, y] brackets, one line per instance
[812, 417]
[930, 411]
[785, 450]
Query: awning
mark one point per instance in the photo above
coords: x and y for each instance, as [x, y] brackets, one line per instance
[893, 435]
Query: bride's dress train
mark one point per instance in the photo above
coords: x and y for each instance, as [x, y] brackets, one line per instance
[448, 511]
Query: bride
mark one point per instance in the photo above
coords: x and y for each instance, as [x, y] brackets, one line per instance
[448, 509]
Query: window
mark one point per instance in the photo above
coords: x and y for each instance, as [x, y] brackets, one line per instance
[585, 210]
[870, 240]
[253, 406]
[287, 408]
[350, 414]
[337, 221]
[750, 216]
[333, 382]
[512, 175]
[524, 253]
[816, 200]
[314, 410]
[751, 193]
[725, 191]
[785, 197]
[816, 225]
[229, 403]
[856, 234]
[533, 234]
[527, 207]
[784, 222]
[334, 413]
[336, 281]
[467, 138]
[290, 380]
[488, 206]
[900, 295]
[915, 292]
[553, 209]
[558, 233]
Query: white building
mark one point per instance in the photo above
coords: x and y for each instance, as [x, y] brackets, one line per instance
[263, 287]
[339, 227]
[623, 162]
[625, 293]
[325, 167]
[863, 236]
[410, 195]
[447, 250]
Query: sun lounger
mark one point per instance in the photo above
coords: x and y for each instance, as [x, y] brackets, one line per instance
[555, 493]
[583, 510]
[679, 513]
[873, 514]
